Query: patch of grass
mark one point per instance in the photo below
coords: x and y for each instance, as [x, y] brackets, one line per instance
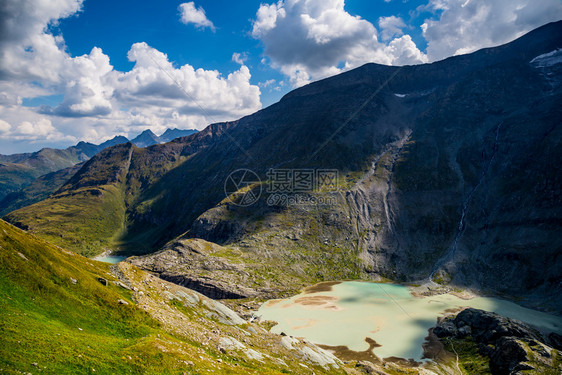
[85, 221]
[441, 277]
[470, 359]
[62, 326]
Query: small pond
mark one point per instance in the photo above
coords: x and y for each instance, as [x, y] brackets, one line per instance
[113, 259]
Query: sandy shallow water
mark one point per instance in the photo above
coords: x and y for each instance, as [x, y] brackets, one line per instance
[356, 314]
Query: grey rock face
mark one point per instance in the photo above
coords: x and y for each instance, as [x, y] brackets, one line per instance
[488, 327]
[512, 346]
[509, 356]
[457, 179]
[209, 287]
[192, 263]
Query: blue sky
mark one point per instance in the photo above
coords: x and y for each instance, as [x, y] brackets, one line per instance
[90, 69]
[156, 24]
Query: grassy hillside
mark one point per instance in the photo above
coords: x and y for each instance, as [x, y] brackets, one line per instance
[84, 228]
[56, 317]
[61, 326]
[94, 208]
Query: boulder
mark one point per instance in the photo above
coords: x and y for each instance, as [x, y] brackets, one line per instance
[511, 345]
[487, 327]
[508, 356]
[555, 340]
[446, 328]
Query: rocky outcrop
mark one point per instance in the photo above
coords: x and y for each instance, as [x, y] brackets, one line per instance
[512, 346]
[208, 286]
[195, 264]
[483, 326]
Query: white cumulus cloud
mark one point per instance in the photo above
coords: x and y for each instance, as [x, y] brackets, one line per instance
[41, 128]
[464, 26]
[312, 39]
[98, 101]
[4, 127]
[391, 26]
[156, 87]
[190, 14]
[87, 90]
[26, 49]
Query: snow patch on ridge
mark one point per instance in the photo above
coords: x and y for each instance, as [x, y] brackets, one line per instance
[548, 59]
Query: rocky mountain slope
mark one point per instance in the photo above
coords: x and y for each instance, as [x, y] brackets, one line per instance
[145, 139]
[18, 172]
[444, 172]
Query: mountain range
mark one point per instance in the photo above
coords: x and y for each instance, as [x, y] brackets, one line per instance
[444, 172]
[440, 176]
[19, 171]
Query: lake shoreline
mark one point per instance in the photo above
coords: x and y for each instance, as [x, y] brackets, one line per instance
[341, 315]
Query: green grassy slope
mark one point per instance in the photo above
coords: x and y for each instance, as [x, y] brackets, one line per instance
[86, 228]
[61, 326]
[88, 212]
[57, 318]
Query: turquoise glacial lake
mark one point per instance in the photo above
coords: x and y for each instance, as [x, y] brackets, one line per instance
[352, 312]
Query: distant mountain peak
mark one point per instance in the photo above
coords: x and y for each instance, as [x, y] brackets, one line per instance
[148, 138]
[118, 139]
[147, 132]
[145, 139]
